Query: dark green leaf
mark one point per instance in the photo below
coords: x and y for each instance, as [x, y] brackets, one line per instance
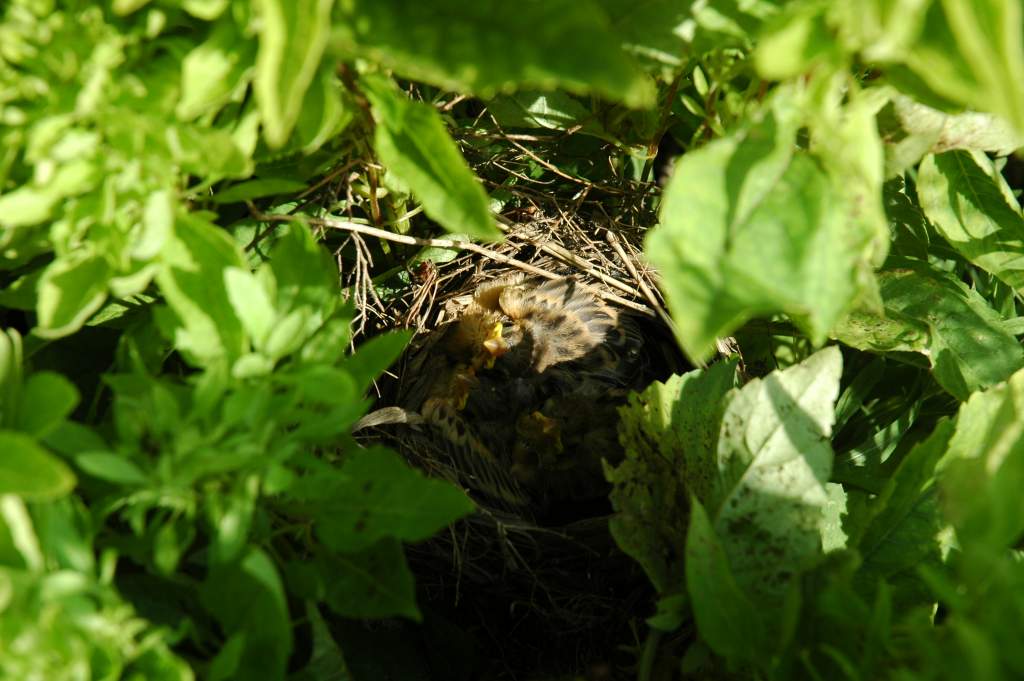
[374, 495]
[493, 46]
[373, 582]
[247, 599]
[256, 189]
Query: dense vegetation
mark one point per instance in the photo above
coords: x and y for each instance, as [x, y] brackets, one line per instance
[180, 494]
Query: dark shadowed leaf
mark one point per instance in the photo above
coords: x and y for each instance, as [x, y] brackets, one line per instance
[374, 582]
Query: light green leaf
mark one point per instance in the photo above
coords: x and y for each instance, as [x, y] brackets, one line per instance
[26, 205]
[157, 223]
[493, 46]
[966, 199]
[726, 618]
[28, 470]
[111, 467]
[550, 110]
[669, 433]
[71, 289]
[324, 113]
[774, 459]
[794, 42]
[983, 470]
[46, 400]
[376, 494]
[214, 70]
[292, 36]
[750, 228]
[251, 302]
[191, 279]
[412, 142]
[248, 598]
[371, 583]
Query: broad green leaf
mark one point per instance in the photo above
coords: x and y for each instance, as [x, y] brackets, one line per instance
[962, 196]
[968, 346]
[325, 112]
[774, 459]
[26, 206]
[794, 42]
[111, 467]
[493, 46]
[912, 130]
[669, 433]
[157, 223]
[726, 618]
[374, 356]
[256, 189]
[549, 110]
[292, 37]
[983, 471]
[214, 70]
[231, 515]
[46, 400]
[902, 532]
[28, 470]
[748, 227]
[375, 494]
[71, 289]
[412, 142]
[247, 598]
[372, 583]
[251, 302]
[655, 30]
[191, 279]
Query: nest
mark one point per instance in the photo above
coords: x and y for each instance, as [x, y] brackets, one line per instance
[540, 580]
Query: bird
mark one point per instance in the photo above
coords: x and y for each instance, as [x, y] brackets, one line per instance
[521, 390]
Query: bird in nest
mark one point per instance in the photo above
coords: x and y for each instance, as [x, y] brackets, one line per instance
[521, 390]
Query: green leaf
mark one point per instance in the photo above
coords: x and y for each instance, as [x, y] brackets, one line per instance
[251, 302]
[793, 42]
[191, 278]
[247, 598]
[157, 224]
[774, 459]
[726, 618]
[966, 199]
[46, 400]
[969, 347]
[492, 46]
[902, 532]
[412, 142]
[71, 289]
[111, 467]
[28, 470]
[669, 433]
[748, 227]
[292, 37]
[374, 582]
[548, 110]
[654, 30]
[983, 471]
[214, 70]
[375, 494]
[324, 113]
[257, 189]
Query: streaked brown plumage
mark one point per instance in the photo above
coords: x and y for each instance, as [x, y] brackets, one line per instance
[522, 388]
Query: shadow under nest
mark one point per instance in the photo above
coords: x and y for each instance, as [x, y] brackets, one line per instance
[534, 575]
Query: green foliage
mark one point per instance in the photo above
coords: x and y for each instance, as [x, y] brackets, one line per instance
[180, 493]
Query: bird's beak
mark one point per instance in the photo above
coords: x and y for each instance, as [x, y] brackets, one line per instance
[495, 345]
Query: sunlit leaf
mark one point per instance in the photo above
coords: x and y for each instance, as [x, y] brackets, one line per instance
[413, 143]
[28, 470]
